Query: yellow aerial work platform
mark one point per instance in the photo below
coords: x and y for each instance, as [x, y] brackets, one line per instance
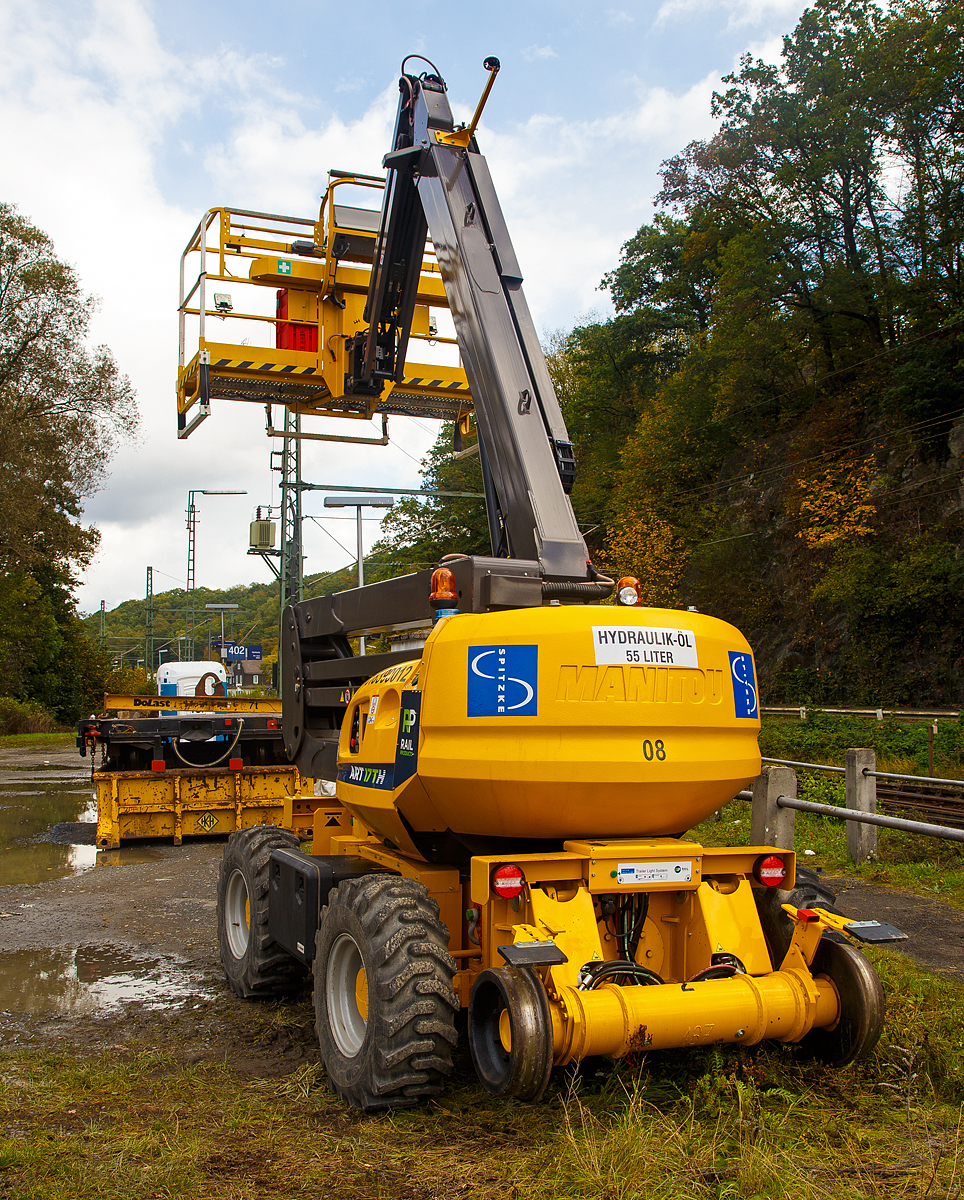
[318, 271]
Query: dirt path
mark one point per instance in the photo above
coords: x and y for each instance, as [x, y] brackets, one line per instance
[935, 930]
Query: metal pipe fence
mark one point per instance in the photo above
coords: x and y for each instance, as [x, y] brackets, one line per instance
[775, 802]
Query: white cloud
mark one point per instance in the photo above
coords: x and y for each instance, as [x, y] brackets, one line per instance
[739, 12]
[617, 16]
[533, 53]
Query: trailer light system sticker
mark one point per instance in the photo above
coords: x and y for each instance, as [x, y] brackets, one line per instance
[655, 872]
[744, 685]
[503, 681]
[644, 644]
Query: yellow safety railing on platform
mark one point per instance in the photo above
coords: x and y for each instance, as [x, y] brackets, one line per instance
[320, 271]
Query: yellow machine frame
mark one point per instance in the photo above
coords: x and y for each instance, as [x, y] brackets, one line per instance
[685, 925]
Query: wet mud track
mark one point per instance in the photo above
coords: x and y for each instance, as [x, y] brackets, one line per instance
[115, 948]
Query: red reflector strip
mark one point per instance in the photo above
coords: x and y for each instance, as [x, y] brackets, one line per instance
[807, 915]
[235, 764]
[157, 764]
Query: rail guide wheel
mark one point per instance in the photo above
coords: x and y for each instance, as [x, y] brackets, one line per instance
[384, 1003]
[862, 1006]
[510, 1032]
[254, 964]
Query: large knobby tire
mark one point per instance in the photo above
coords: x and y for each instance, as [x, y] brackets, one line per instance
[808, 892]
[384, 1004]
[255, 965]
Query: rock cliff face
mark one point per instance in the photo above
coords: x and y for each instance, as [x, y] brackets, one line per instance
[867, 604]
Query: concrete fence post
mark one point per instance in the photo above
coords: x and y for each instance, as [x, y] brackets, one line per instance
[771, 825]
[862, 796]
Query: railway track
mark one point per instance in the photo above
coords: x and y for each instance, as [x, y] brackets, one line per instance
[940, 805]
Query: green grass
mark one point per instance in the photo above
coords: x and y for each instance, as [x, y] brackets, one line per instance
[901, 746]
[37, 739]
[702, 1124]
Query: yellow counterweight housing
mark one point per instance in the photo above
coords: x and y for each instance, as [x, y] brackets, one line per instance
[560, 722]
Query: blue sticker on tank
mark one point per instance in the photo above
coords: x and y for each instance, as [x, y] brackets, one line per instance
[503, 681]
[744, 685]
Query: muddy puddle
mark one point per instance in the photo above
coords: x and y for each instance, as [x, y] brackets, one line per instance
[34, 799]
[91, 980]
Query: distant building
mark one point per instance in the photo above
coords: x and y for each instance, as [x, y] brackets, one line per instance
[246, 673]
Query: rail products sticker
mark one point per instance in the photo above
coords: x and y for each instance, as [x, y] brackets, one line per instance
[618, 644]
[503, 681]
[744, 685]
[406, 752]
[655, 872]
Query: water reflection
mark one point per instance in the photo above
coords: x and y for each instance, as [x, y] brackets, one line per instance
[91, 979]
[31, 803]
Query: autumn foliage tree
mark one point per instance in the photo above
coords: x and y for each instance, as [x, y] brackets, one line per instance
[63, 407]
[771, 426]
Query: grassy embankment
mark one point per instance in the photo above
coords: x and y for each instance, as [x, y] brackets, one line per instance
[37, 739]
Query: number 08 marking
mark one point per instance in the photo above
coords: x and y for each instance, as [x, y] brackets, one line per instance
[653, 750]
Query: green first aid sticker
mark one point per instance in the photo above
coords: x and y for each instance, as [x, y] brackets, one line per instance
[284, 267]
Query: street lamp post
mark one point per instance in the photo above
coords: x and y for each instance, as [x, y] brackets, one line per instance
[358, 503]
[191, 532]
[223, 608]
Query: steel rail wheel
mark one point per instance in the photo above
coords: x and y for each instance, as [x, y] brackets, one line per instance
[254, 964]
[510, 1032]
[862, 1006]
[384, 1004]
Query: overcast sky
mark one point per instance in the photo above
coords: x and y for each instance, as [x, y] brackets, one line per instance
[122, 121]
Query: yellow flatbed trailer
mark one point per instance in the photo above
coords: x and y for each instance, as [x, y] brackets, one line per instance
[153, 782]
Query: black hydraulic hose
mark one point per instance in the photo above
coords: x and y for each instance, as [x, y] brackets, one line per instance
[615, 969]
[599, 590]
[217, 760]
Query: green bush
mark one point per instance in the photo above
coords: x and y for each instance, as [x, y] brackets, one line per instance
[24, 717]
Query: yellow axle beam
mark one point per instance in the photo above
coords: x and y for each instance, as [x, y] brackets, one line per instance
[617, 1021]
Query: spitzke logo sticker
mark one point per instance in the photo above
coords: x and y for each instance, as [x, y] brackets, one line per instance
[503, 681]
[744, 685]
